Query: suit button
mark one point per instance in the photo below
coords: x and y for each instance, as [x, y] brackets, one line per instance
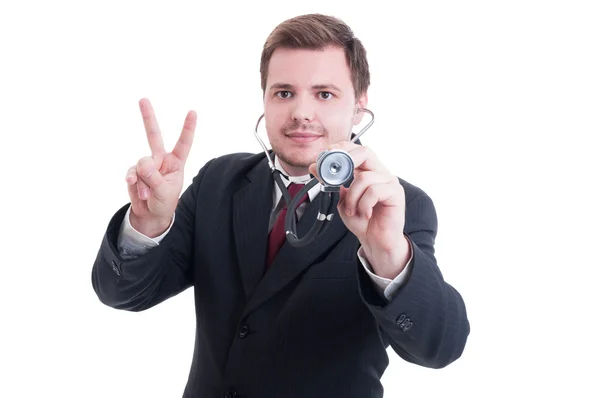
[404, 322]
[244, 330]
[229, 393]
[400, 319]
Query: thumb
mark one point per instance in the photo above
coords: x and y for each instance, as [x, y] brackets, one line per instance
[148, 173]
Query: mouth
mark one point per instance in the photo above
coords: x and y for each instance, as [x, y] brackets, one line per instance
[303, 137]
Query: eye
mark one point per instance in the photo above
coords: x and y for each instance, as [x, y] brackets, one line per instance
[283, 94]
[325, 95]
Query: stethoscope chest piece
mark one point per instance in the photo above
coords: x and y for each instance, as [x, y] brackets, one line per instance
[335, 167]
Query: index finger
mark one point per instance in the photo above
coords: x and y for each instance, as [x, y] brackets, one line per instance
[152, 130]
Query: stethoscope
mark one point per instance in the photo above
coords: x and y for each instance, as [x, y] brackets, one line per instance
[335, 168]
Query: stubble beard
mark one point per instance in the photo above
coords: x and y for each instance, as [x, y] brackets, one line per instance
[294, 163]
[299, 163]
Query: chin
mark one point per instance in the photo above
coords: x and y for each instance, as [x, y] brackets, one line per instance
[296, 159]
[298, 155]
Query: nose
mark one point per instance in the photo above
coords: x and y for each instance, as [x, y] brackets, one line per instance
[302, 112]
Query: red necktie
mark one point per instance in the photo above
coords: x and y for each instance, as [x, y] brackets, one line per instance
[277, 235]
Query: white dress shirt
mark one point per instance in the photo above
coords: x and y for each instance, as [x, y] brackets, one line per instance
[132, 243]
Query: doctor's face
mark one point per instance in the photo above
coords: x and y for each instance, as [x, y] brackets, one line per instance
[309, 103]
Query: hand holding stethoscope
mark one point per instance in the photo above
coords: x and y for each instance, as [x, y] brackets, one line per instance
[373, 208]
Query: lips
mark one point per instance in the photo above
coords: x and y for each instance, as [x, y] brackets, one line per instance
[303, 135]
[303, 138]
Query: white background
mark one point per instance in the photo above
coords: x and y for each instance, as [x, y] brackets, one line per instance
[491, 107]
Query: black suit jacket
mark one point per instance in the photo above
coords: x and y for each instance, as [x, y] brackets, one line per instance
[313, 325]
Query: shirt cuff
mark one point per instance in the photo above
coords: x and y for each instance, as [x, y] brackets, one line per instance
[387, 288]
[132, 243]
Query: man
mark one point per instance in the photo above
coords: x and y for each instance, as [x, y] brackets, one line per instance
[274, 320]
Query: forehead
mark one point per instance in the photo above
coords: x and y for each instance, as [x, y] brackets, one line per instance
[304, 67]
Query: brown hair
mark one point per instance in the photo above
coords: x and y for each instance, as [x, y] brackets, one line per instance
[317, 31]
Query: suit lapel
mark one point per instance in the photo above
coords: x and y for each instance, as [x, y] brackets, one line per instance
[251, 211]
[292, 261]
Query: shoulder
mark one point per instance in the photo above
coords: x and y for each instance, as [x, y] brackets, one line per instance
[411, 191]
[227, 173]
[421, 213]
[231, 165]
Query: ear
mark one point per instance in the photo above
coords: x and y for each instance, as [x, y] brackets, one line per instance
[361, 103]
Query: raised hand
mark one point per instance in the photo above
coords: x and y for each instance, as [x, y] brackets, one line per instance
[156, 181]
[373, 209]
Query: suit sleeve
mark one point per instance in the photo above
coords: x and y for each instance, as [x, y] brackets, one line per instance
[426, 321]
[139, 283]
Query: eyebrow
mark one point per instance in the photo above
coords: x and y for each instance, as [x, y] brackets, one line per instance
[286, 86]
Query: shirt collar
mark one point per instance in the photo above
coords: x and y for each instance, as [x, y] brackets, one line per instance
[304, 179]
